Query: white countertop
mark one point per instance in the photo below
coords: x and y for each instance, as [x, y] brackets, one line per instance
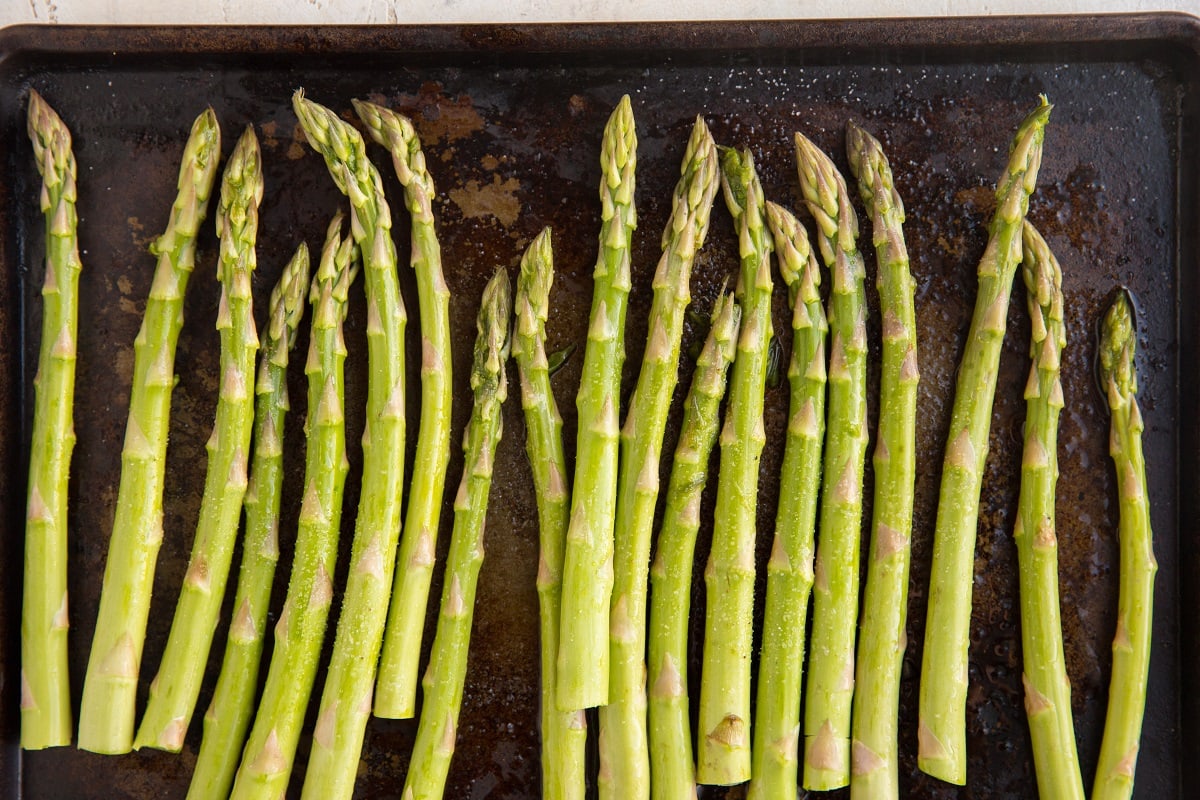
[307, 12]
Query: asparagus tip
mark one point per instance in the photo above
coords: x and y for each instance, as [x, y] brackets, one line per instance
[737, 177]
[286, 306]
[1118, 342]
[541, 243]
[1034, 122]
[535, 279]
[1041, 267]
[495, 312]
[860, 145]
[42, 118]
[796, 257]
[619, 143]
[203, 151]
[241, 187]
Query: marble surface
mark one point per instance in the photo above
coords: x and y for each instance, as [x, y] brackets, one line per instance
[458, 11]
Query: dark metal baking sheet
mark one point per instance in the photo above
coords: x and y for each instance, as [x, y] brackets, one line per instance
[511, 118]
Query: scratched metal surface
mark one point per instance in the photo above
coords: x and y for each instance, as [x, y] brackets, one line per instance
[510, 119]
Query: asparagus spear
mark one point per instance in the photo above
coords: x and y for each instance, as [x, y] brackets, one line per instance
[790, 569]
[267, 761]
[670, 730]
[1135, 603]
[110, 688]
[835, 585]
[583, 652]
[45, 690]
[346, 699]
[874, 768]
[1047, 690]
[174, 689]
[396, 686]
[232, 705]
[443, 681]
[941, 729]
[624, 755]
[724, 731]
[564, 733]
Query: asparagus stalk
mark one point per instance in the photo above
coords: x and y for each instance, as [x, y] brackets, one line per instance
[724, 731]
[564, 733]
[346, 698]
[941, 728]
[110, 687]
[174, 689]
[444, 677]
[1135, 603]
[45, 689]
[835, 585]
[624, 755]
[232, 705]
[1047, 689]
[670, 729]
[790, 569]
[583, 652]
[396, 686]
[267, 761]
[881, 640]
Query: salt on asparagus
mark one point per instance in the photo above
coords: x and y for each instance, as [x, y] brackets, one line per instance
[724, 726]
[624, 754]
[233, 701]
[874, 752]
[106, 715]
[564, 733]
[941, 726]
[1137, 565]
[670, 729]
[447, 669]
[174, 690]
[1044, 667]
[271, 747]
[345, 704]
[45, 688]
[396, 684]
[836, 568]
[583, 651]
[775, 755]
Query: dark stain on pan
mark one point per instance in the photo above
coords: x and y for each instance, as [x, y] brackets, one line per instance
[511, 120]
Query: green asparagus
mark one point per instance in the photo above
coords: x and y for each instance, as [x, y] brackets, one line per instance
[444, 677]
[45, 690]
[106, 715]
[345, 702]
[836, 568]
[624, 755]
[564, 733]
[670, 729]
[790, 569]
[583, 652]
[232, 705]
[1047, 689]
[1135, 603]
[941, 727]
[174, 690]
[874, 752]
[396, 685]
[271, 748]
[724, 730]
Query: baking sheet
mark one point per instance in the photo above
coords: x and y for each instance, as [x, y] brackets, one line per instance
[510, 118]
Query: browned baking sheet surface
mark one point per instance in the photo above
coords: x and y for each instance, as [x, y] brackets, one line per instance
[510, 120]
